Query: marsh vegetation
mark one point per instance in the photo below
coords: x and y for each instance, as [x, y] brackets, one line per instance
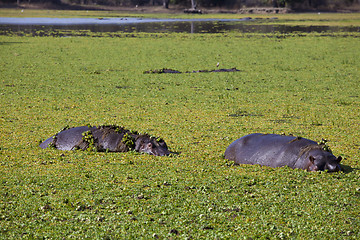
[302, 84]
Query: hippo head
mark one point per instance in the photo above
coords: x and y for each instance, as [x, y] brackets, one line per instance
[151, 146]
[324, 161]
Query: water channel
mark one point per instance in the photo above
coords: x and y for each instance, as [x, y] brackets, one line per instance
[152, 25]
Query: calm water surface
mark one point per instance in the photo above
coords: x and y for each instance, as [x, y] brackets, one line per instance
[151, 25]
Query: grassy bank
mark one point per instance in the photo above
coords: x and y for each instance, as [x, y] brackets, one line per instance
[306, 86]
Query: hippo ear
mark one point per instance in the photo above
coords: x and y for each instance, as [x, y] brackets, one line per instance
[339, 159]
[312, 159]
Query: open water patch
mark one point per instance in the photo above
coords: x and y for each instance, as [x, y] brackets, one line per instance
[148, 25]
[105, 21]
[157, 25]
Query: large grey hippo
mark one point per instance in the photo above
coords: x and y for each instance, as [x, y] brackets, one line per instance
[106, 138]
[277, 150]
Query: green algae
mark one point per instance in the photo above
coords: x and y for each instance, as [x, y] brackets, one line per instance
[306, 85]
[128, 140]
[89, 141]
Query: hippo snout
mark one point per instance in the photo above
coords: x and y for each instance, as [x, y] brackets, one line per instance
[163, 153]
[158, 150]
[151, 146]
[333, 167]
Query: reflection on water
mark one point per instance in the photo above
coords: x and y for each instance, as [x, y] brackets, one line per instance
[186, 26]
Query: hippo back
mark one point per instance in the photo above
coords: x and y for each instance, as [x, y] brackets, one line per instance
[67, 139]
[109, 139]
[268, 149]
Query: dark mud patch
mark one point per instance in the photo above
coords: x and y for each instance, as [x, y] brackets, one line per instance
[167, 70]
[280, 121]
[241, 113]
[122, 87]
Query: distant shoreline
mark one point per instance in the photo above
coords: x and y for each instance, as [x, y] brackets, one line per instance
[173, 9]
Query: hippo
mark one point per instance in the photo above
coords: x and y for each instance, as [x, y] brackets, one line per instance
[108, 138]
[278, 150]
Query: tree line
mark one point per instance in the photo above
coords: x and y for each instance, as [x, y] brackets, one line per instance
[234, 4]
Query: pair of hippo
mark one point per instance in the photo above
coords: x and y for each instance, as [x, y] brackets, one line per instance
[264, 149]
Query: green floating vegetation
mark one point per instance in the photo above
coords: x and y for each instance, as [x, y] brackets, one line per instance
[129, 141]
[301, 84]
[325, 146]
[89, 140]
